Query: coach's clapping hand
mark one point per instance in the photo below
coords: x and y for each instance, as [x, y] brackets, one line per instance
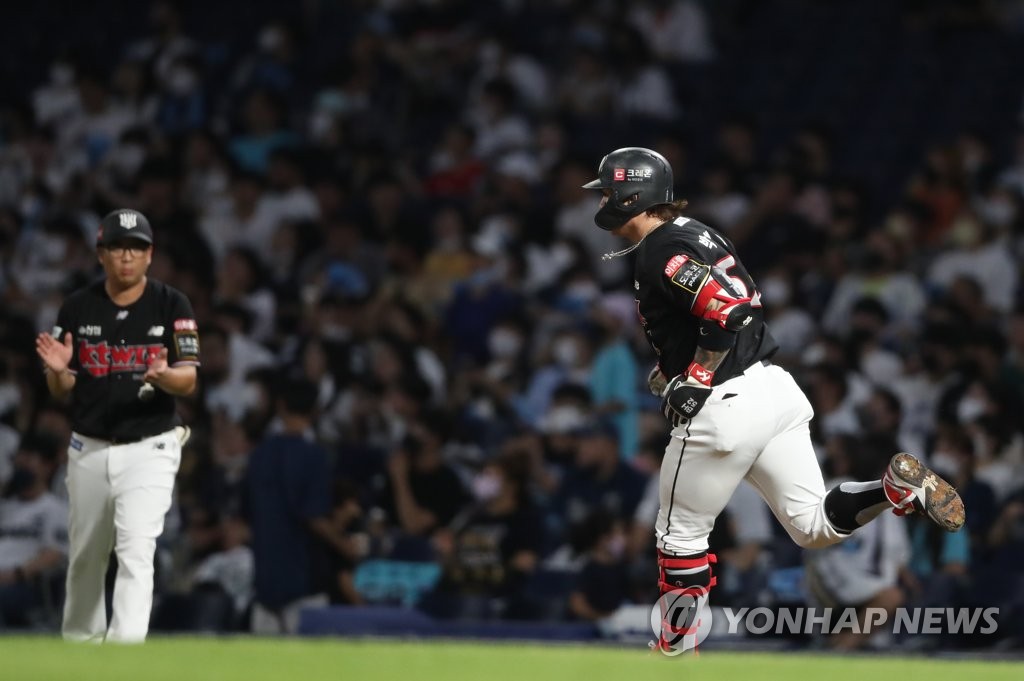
[157, 367]
[55, 355]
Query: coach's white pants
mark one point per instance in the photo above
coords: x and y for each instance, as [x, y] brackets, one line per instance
[754, 426]
[118, 496]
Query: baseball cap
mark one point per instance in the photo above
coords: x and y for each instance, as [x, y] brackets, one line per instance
[121, 224]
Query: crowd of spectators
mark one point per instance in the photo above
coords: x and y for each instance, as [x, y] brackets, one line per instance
[412, 350]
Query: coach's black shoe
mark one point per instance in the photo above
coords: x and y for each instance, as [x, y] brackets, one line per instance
[911, 486]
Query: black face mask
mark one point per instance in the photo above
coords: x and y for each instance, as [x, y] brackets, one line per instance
[21, 480]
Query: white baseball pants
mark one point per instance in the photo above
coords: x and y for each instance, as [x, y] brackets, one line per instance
[754, 427]
[118, 496]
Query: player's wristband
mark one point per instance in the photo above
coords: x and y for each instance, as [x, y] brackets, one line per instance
[700, 374]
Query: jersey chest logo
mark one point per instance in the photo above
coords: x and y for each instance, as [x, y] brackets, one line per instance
[101, 359]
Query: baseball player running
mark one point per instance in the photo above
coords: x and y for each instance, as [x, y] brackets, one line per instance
[123, 348]
[734, 415]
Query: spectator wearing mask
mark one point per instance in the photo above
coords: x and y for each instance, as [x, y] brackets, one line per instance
[490, 549]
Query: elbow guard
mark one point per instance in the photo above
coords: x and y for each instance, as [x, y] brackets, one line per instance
[721, 302]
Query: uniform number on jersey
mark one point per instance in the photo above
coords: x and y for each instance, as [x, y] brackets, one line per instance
[726, 264]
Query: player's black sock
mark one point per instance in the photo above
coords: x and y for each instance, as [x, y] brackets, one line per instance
[852, 504]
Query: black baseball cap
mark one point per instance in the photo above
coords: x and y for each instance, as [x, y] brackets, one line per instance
[121, 224]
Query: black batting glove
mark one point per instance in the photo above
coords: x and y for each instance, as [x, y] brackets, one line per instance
[685, 395]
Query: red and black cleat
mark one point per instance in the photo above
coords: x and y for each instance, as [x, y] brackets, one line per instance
[911, 486]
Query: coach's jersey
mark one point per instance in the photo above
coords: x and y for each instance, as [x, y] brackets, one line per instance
[673, 262]
[113, 346]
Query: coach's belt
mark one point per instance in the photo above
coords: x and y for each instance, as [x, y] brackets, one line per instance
[126, 440]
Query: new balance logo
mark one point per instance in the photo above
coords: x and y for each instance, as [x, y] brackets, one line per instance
[123, 314]
[129, 220]
[155, 331]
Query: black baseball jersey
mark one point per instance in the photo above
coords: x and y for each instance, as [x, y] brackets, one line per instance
[672, 264]
[112, 349]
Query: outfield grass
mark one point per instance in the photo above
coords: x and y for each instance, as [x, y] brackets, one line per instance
[253, 659]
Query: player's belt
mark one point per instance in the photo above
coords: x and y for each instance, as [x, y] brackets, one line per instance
[120, 440]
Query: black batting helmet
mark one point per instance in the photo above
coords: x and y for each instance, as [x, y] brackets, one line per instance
[639, 176]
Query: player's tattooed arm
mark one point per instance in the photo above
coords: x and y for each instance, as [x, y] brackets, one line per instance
[709, 359]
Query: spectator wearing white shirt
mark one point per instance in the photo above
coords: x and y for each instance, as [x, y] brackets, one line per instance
[861, 572]
[499, 128]
[882, 274]
[234, 218]
[978, 253]
[33, 530]
[678, 29]
[99, 124]
[645, 89]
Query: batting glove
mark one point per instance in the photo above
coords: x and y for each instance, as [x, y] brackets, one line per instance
[685, 395]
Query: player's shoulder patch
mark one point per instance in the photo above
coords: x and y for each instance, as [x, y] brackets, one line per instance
[674, 263]
[687, 273]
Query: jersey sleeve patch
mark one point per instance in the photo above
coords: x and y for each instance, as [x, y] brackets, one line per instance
[185, 325]
[187, 345]
[690, 275]
[673, 265]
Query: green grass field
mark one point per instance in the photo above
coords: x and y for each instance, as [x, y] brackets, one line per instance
[253, 659]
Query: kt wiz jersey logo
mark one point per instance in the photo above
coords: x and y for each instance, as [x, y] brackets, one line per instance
[101, 359]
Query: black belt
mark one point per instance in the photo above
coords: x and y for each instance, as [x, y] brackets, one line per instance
[119, 440]
[126, 440]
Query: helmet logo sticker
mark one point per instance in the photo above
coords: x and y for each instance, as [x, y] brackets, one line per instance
[632, 175]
